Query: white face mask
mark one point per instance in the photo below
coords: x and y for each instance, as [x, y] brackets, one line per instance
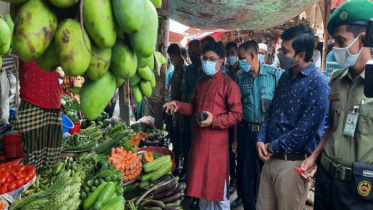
[344, 57]
[60, 81]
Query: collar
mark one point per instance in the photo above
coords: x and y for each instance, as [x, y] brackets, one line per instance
[262, 70]
[308, 69]
[347, 73]
[218, 74]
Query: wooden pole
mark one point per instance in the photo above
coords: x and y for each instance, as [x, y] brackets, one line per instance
[155, 102]
[124, 102]
[327, 9]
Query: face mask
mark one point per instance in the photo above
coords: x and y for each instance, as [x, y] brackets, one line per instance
[195, 59]
[244, 66]
[209, 67]
[60, 81]
[286, 62]
[231, 60]
[344, 57]
[261, 58]
[277, 61]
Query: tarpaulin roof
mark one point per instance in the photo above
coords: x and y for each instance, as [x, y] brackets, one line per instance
[234, 14]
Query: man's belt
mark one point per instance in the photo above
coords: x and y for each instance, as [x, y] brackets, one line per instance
[250, 127]
[290, 157]
[336, 170]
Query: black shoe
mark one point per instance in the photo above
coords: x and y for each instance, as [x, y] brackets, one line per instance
[194, 204]
[236, 203]
[232, 187]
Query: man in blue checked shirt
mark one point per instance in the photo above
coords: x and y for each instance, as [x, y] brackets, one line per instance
[294, 123]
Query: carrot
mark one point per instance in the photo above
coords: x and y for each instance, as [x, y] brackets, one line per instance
[112, 151]
[117, 167]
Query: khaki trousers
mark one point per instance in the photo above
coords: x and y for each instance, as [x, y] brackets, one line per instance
[280, 187]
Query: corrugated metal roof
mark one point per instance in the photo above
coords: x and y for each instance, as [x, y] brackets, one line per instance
[234, 14]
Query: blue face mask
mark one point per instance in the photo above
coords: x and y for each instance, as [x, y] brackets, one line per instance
[261, 58]
[231, 60]
[208, 67]
[244, 66]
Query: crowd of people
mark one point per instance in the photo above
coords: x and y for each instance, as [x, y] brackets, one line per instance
[241, 124]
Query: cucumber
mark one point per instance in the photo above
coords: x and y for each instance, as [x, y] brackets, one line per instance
[156, 164]
[176, 203]
[90, 201]
[112, 202]
[147, 177]
[104, 196]
[161, 171]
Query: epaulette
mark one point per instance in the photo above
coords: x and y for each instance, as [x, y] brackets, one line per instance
[336, 74]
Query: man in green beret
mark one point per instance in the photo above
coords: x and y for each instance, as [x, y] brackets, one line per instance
[344, 177]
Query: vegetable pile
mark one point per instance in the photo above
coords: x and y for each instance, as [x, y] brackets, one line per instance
[154, 137]
[92, 131]
[77, 142]
[156, 169]
[104, 198]
[126, 161]
[71, 108]
[13, 177]
[102, 120]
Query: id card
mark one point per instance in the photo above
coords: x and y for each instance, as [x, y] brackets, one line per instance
[350, 126]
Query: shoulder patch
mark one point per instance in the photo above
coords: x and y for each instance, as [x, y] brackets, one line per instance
[336, 74]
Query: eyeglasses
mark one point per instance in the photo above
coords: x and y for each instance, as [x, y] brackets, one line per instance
[262, 53]
[213, 59]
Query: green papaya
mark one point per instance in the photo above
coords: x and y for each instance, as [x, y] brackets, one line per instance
[152, 81]
[48, 61]
[119, 29]
[145, 73]
[144, 41]
[16, 1]
[34, 29]
[123, 60]
[9, 51]
[157, 3]
[130, 14]
[1, 62]
[96, 95]
[143, 62]
[13, 10]
[146, 88]
[119, 81]
[135, 80]
[10, 23]
[161, 57]
[71, 50]
[63, 3]
[99, 22]
[99, 66]
[5, 37]
[137, 95]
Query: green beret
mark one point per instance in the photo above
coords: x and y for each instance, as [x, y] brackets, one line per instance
[352, 12]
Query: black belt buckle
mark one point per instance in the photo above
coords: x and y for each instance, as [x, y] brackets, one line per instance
[335, 170]
[254, 128]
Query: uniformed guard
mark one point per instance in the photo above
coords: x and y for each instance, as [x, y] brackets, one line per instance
[344, 177]
[257, 84]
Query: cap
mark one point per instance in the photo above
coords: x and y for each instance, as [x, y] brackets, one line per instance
[352, 12]
[60, 72]
[263, 46]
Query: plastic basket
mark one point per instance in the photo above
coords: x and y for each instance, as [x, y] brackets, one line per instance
[67, 124]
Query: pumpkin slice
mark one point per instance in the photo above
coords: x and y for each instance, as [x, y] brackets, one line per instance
[135, 141]
[148, 157]
[141, 135]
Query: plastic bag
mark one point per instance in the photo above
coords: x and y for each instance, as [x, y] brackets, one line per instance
[147, 120]
[4, 103]
[13, 87]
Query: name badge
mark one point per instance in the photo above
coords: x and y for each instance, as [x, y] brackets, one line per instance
[247, 86]
[334, 97]
[351, 122]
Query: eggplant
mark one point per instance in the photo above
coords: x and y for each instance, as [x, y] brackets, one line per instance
[181, 187]
[172, 198]
[173, 208]
[155, 187]
[154, 208]
[152, 203]
[164, 178]
[167, 193]
[176, 203]
[166, 187]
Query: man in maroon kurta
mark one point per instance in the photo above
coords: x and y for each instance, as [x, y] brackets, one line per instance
[219, 97]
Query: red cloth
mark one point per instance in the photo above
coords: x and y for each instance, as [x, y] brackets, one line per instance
[208, 161]
[38, 87]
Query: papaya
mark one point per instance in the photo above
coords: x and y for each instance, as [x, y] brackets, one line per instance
[152, 81]
[161, 57]
[119, 30]
[99, 66]
[130, 14]
[16, 1]
[145, 73]
[146, 88]
[99, 22]
[157, 3]
[135, 80]
[96, 95]
[5, 37]
[63, 3]
[143, 62]
[137, 95]
[119, 81]
[10, 23]
[1, 62]
[48, 61]
[34, 29]
[13, 10]
[144, 41]
[123, 60]
[71, 50]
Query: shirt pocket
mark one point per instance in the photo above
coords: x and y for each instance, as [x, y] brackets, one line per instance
[247, 95]
[335, 110]
[365, 121]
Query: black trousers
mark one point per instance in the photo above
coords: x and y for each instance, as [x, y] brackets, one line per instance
[232, 156]
[186, 142]
[248, 167]
[331, 193]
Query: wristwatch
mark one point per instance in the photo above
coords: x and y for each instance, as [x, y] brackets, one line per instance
[270, 149]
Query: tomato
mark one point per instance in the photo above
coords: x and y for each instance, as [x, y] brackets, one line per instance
[32, 171]
[3, 190]
[10, 179]
[20, 176]
[6, 185]
[28, 178]
[12, 186]
[28, 167]
[3, 180]
[20, 182]
[21, 168]
[6, 173]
